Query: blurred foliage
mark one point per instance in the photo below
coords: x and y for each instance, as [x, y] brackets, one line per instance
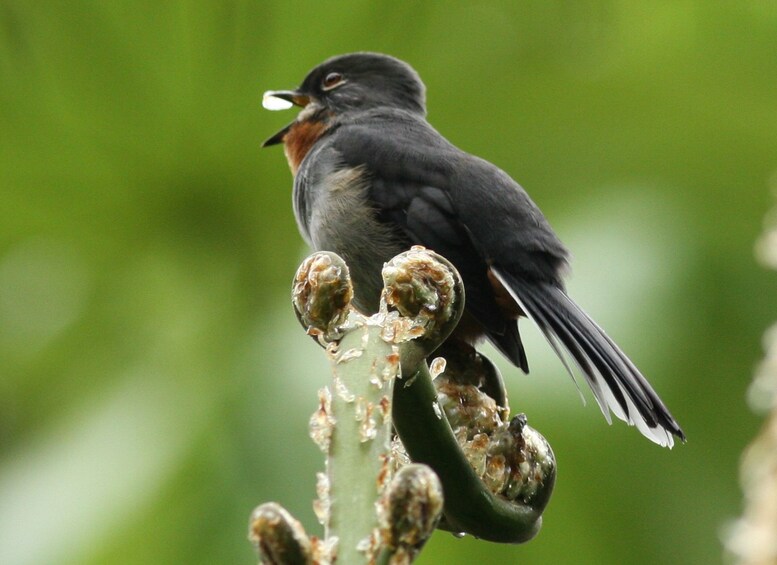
[153, 384]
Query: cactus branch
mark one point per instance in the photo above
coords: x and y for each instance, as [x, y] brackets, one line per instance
[470, 507]
[409, 511]
[279, 539]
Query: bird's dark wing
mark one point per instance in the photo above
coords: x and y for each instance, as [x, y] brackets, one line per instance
[426, 216]
[412, 195]
[410, 160]
[478, 217]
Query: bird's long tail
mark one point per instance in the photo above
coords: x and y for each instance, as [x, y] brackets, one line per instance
[617, 384]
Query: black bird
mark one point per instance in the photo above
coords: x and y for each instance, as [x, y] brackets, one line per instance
[372, 178]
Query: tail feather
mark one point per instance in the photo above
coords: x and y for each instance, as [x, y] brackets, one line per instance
[586, 357]
[617, 384]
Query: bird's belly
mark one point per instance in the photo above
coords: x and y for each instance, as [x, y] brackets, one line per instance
[344, 222]
[365, 255]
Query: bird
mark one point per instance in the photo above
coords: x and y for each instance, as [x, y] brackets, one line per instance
[372, 178]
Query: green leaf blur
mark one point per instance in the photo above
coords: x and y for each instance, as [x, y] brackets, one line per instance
[154, 385]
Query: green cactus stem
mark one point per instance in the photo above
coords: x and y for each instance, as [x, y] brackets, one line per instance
[353, 424]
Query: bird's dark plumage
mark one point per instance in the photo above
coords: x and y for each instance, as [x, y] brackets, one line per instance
[372, 178]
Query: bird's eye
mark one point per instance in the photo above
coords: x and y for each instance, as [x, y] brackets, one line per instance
[332, 80]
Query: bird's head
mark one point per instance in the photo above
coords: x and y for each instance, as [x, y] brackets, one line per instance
[357, 81]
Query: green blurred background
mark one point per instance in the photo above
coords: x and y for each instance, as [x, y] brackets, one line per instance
[154, 385]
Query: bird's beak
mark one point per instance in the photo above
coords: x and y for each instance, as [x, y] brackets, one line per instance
[272, 99]
[282, 100]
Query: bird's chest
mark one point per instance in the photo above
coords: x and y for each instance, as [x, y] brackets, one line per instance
[334, 214]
